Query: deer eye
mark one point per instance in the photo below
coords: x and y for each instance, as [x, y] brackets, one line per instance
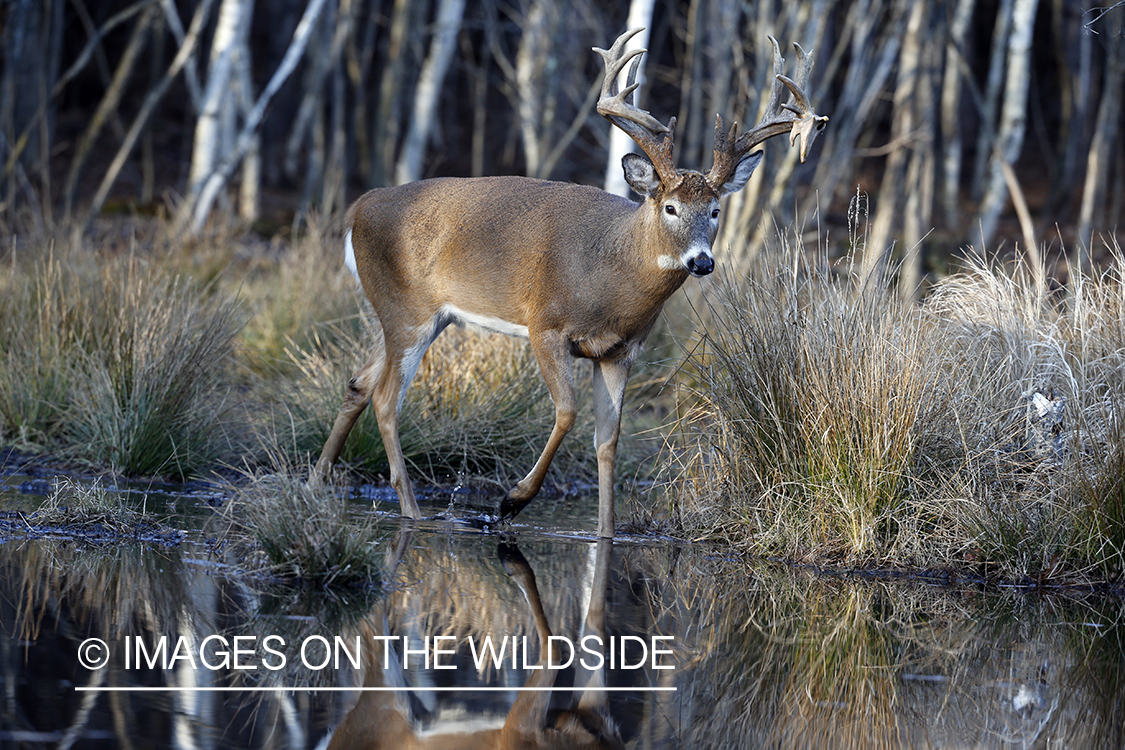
[714, 213]
[670, 209]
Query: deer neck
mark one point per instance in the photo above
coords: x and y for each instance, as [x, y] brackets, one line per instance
[650, 256]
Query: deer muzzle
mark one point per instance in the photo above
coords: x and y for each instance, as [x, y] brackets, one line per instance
[700, 264]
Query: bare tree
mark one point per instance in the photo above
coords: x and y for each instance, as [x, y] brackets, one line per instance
[951, 88]
[1099, 161]
[448, 23]
[1013, 115]
[889, 208]
[195, 212]
[215, 128]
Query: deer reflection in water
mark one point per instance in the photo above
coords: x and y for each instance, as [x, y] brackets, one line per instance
[382, 719]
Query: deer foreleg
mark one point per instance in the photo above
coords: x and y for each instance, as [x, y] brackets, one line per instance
[553, 355]
[610, 377]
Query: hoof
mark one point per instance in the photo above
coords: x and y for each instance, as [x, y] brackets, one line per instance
[510, 507]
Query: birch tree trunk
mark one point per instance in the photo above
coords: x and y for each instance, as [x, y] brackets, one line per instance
[951, 111]
[384, 137]
[993, 90]
[249, 199]
[196, 211]
[531, 63]
[215, 127]
[874, 30]
[1100, 159]
[449, 15]
[1013, 116]
[640, 15]
[920, 173]
[889, 208]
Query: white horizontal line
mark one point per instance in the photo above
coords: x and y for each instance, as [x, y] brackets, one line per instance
[313, 689]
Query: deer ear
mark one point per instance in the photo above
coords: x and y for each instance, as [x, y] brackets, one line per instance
[742, 172]
[640, 174]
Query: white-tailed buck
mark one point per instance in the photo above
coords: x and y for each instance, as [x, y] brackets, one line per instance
[578, 271]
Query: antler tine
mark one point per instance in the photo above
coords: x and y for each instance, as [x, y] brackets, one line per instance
[795, 117]
[804, 65]
[619, 107]
[775, 86]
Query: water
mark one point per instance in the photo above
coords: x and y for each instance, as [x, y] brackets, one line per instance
[758, 655]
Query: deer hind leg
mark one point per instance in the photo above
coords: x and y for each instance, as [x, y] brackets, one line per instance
[610, 377]
[553, 355]
[355, 401]
[383, 381]
[404, 354]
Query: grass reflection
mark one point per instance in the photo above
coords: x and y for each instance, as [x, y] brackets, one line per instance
[802, 661]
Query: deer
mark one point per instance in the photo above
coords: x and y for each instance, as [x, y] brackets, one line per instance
[577, 271]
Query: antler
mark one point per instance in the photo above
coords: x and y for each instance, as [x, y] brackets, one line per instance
[620, 108]
[795, 117]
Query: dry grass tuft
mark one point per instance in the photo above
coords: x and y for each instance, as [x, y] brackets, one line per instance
[117, 361]
[76, 508]
[303, 535]
[833, 421]
[812, 396]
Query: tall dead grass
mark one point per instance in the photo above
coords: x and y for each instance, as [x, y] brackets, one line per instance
[813, 392]
[831, 420]
[114, 360]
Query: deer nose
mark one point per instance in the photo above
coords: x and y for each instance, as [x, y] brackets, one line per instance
[700, 265]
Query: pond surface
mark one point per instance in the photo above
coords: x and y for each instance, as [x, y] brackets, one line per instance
[667, 646]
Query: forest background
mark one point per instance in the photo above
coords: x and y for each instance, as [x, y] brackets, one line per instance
[990, 123]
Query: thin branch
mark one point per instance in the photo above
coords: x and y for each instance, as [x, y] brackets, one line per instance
[1102, 12]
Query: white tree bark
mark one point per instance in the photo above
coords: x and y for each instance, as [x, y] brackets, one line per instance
[1013, 115]
[640, 15]
[197, 211]
[249, 198]
[214, 130]
[531, 63]
[409, 167]
[888, 211]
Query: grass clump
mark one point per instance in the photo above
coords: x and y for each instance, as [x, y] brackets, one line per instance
[150, 400]
[812, 395]
[92, 512]
[302, 535]
[1042, 385]
[832, 420]
[115, 361]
